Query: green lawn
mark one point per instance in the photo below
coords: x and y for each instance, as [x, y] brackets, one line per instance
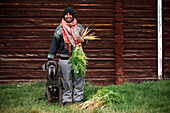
[150, 97]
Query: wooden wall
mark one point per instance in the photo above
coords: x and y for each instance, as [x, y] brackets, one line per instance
[140, 39]
[166, 35]
[26, 31]
[27, 28]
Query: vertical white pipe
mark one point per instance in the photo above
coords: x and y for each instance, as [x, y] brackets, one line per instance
[159, 16]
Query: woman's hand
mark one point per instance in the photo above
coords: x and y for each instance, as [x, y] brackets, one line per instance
[79, 39]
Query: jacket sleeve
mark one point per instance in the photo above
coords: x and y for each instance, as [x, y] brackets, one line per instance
[54, 45]
[80, 29]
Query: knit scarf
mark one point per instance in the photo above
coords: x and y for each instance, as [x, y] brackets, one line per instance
[70, 32]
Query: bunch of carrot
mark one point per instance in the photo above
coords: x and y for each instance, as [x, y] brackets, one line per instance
[79, 61]
[103, 97]
[84, 34]
[78, 57]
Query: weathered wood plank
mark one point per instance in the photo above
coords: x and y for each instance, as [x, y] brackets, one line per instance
[140, 53]
[143, 33]
[39, 73]
[43, 38]
[52, 12]
[107, 53]
[59, 1]
[140, 73]
[42, 53]
[140, 46]
[57, 5]
[132, 73]
[11, 81]
[139, 2]
[145, 5]
[48, 32]
[139, 13]
[106, 73]
[129, 63]
[142, 23]
[143, 63]
[166, 34]
[45, 43]
[50, 22]
[36, 63]
[94, 53]
[18, 75]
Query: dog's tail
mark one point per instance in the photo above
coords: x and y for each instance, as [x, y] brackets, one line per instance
[39, 99]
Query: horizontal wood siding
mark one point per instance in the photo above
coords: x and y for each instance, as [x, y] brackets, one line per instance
[27, 28]
[166, 28]
[140, 39]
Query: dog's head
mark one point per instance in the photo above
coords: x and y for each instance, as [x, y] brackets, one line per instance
[52, 68]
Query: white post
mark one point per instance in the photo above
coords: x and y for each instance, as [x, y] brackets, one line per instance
[159, 16]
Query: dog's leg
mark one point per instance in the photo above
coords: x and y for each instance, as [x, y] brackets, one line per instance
[60, 91]
[49, 97]
[48, 94]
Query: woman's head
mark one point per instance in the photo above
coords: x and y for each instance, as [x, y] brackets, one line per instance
[68, 14]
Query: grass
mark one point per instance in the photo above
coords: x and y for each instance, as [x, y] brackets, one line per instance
[150, 97]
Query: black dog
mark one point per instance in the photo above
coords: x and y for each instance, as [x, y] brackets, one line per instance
[53, 84]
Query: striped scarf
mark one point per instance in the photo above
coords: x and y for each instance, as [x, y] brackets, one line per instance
[70, 32]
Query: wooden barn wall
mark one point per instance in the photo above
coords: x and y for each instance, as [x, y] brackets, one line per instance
[166, 29]
[27, 28]
[140, 39]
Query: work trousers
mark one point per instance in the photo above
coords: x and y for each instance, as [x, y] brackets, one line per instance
[70, 92]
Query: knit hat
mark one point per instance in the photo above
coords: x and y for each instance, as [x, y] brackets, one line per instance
[68, 10]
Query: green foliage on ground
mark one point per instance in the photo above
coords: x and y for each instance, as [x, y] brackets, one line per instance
[145, 97]
[108, 96]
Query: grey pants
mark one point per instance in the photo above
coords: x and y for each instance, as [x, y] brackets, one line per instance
[69, 93]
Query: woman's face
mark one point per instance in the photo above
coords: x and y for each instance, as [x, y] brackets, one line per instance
[68, 17]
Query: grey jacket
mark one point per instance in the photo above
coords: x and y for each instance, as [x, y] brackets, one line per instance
[58, 43]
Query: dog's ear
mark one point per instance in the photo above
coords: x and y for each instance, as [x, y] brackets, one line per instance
[44, 66]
